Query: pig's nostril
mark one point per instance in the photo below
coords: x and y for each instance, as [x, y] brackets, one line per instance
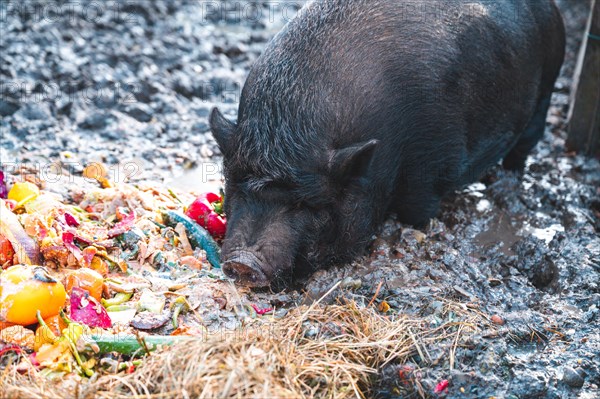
[244, 274]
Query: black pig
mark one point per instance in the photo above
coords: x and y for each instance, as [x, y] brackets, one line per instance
[362, 108]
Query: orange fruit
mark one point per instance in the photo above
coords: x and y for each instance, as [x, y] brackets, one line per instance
[26, 289]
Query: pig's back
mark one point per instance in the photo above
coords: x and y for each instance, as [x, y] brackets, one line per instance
[418, 75]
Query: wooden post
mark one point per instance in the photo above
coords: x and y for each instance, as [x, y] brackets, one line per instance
[584, 116]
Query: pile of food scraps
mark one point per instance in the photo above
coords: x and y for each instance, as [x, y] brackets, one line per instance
[116, 290]
[332, 351]
[99, 282]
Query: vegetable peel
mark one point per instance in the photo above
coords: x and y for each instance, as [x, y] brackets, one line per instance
[87, 310]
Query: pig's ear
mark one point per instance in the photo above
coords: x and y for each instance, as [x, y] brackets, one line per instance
[222, 130]
[352, 162]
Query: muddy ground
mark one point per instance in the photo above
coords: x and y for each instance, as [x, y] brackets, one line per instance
[131, 84]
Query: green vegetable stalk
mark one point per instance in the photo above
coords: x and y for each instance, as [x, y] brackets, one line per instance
[130, 344]
[179, 306]
[118, 299]
[198, 236]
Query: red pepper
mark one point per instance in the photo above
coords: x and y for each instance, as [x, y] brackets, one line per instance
[206, 210]
[260, 311]
[441, 387]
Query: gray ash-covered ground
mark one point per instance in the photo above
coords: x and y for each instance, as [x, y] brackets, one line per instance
[131, 84]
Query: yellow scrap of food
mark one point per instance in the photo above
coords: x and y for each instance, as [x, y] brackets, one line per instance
[98, 172]
[87, 279]
[95, 170]
[23, 192]
[26, 289]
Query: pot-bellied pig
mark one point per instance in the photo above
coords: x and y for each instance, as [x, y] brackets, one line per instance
[362, 108]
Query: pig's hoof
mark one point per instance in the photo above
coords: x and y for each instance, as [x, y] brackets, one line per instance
[245, 273]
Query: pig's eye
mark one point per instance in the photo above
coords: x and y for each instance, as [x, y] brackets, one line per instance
[313, 204]
[280, 193]
[278, 186]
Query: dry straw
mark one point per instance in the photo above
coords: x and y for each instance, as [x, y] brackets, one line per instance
[322, 351]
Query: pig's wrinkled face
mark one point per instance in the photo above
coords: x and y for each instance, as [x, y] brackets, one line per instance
[269, 229]
[281, 227]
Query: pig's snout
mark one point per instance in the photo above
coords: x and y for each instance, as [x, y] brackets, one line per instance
[246, 269]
